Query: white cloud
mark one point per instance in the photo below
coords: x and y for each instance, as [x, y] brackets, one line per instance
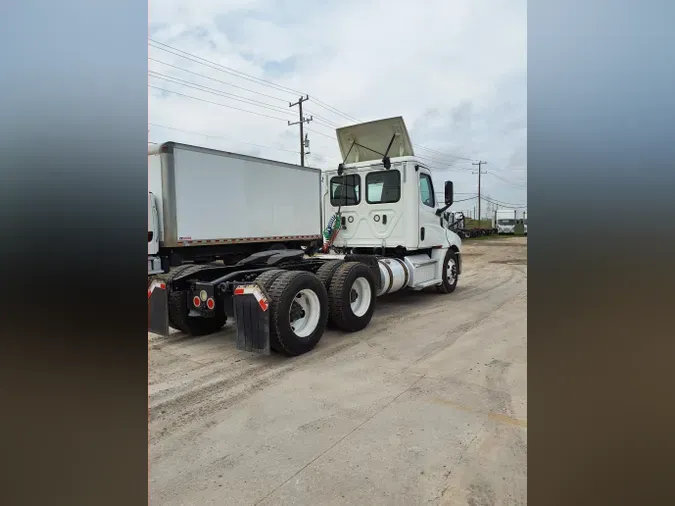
[456, 70]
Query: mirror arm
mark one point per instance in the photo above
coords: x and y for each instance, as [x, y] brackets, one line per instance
[442, 209]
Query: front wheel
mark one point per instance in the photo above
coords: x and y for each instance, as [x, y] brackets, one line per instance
[450, 273]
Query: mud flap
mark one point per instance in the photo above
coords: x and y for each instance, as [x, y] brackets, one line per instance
[252, 318]
[158, 309]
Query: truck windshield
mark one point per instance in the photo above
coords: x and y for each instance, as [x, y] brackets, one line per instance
[506, 222]
[345, 190]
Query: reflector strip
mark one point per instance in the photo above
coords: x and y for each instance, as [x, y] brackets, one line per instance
[187, 241]
[255, 291]
[156, 284]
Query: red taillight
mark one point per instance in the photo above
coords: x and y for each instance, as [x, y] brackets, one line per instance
[196, 301]
[210, 303]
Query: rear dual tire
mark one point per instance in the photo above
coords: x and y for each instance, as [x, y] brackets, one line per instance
[298, 312]
[301, 303]
[351, 296]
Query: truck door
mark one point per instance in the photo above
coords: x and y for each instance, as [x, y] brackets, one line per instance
[153, 226]
[430, 232]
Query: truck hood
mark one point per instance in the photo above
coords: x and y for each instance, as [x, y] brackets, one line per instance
[372, 140]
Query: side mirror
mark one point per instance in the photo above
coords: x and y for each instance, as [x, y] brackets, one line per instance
[449, 193]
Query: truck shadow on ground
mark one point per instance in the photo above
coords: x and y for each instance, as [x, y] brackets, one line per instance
[221, 346]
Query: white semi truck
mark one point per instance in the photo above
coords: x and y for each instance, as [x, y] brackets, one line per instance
[296, 257]
[505, 221]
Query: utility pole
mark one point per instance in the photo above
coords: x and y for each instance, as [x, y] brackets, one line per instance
[479, 174]
[301, 122]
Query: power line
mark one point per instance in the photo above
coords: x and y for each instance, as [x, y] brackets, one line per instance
[217, 103]
[218, 80]
[335, 110]
[321, 133]
[220, 137]
[322, 121]
[507, 181]
[215, 91]
[217, 66]
[327, 122]
[465, 200]
[223, 68]
[495, 201]
[234, 72]
[444, 154]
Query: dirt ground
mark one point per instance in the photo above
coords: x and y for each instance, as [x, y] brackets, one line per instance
[427, 405]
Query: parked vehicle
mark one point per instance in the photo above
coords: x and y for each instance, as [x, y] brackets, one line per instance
[505, 221]
[383, 231]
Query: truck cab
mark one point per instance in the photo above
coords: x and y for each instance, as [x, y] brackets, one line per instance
[505, 221]
[385, 195]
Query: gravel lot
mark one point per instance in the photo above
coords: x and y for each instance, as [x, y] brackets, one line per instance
[427, 405]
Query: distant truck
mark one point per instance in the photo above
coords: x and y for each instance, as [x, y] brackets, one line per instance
[505, 221]
[296, 254]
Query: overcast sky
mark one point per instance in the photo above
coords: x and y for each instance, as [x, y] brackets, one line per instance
[456, 70]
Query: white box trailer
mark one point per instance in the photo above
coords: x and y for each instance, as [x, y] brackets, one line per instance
[205, 204]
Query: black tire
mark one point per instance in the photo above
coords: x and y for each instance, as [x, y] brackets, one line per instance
[193, 326]
[179, 317]
[449, 285]
[167, 279]
[340, 294]
[266, 279]
[169, 276]
[283, 291]
[325, 274]
[326, 271]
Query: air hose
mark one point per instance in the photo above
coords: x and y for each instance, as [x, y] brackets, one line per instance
[331, 231]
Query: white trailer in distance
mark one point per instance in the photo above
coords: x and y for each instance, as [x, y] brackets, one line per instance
[321, 256]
